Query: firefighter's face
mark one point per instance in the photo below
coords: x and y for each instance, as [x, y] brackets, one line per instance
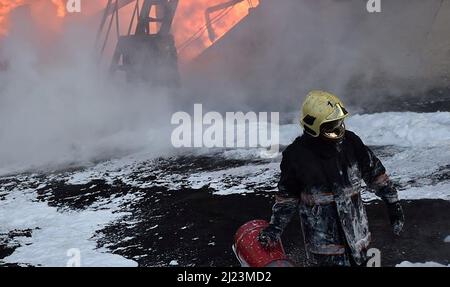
[333, 130]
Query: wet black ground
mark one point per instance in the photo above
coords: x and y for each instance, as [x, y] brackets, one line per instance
[196, 227]
[202, 226]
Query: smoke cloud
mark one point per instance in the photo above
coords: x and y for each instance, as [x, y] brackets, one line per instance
[57, 107]
[286, 48]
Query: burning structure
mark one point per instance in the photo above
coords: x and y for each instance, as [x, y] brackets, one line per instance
[187, 24]
[148, 53]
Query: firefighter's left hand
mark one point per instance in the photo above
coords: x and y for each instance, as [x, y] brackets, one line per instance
[396, 217]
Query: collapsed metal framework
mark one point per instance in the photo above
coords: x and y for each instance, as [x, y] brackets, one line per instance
[222, 6]
[147, 52]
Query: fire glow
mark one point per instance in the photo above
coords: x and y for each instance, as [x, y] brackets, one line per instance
[7, 6]
[189, 23]
[190, 19]
[60, 7]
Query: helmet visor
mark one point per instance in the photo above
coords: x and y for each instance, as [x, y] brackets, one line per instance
[339, 112]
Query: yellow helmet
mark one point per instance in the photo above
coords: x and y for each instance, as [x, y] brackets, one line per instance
[319, 108]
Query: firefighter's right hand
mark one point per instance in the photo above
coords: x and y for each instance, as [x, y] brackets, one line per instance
[269, 236]
[396, 217]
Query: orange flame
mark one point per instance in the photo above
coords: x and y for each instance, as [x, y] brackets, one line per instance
[7, 6]
[189, 26]
[190, 19]
[60, 7]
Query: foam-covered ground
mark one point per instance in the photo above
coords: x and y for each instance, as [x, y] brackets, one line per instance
[115, 211]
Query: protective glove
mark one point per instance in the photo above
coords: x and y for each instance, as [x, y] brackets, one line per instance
[396, 217]
[269, 236]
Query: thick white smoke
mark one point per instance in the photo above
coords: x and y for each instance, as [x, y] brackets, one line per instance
[57, 107]
[286, 48]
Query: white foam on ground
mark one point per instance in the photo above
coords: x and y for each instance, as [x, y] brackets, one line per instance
[403, 128]
[425, 264]
[438, 191]
[242, 179]
[55, 232]
[406, 129]
[413, 169]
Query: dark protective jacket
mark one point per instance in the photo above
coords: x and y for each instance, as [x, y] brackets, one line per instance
[325, 179]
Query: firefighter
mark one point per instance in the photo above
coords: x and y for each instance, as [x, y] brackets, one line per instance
[321, 177]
